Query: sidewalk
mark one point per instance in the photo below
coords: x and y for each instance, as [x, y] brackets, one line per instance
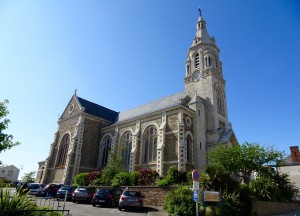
[156, 211]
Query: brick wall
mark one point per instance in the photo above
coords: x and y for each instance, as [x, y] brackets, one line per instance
[268, 208]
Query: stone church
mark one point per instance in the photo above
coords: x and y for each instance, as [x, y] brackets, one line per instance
[175, 130]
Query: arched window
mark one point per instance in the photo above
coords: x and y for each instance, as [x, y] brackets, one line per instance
[197, 60]
[188, 69]
[207, 61]
[220, 102]
[63, 150]
[189, 148]
[106, 145]
[127, 141]
[150, 144]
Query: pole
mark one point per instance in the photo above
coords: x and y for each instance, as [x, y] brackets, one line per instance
[196, 208]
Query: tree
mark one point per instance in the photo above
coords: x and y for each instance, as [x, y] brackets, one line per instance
[6, 140]
[115, 165]
[29, 177]
[245, 159]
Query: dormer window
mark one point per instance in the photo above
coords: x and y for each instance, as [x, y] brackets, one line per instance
[197, 60]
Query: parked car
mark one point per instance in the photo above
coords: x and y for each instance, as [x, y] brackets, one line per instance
[20, 184]
[83, 193]
[51, 189]
[131, 198]
[106, 196]
[62, 192]
[36, 189]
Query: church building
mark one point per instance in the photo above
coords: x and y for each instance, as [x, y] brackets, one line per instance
[175, 130]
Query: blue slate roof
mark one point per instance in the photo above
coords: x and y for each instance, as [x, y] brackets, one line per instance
[225, 136]
[99, 111]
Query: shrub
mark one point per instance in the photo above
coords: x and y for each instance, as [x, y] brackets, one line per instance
[133, 178]
[164, 182]
[96, 182]
[80, 179]
[179, 202]
[121, 179]
[20, 200]
[91, 176]
[147, 177]
[175, 176]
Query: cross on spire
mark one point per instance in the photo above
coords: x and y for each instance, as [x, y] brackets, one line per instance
[200, 12]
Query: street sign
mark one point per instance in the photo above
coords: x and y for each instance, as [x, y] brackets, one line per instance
[195, 196]
[195, 185]
[195, 175]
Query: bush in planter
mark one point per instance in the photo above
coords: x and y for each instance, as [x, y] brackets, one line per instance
[121, 179]
[147, 177]
[163, 182]
[180, 202]
[133, 178]
[80, 179]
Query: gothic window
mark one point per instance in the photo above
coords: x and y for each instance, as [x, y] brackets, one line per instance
[189, 148]
[127, 141]
[220, 102]
[63, 150]
[207, 61]
[106, 145]
[188, 69]
[197, 60]
[222, 125]
[150, 144]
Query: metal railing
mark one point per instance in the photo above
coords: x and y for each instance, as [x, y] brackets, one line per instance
[45, 212]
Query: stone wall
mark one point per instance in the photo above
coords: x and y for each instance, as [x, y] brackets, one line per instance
[154, 196]
[268, 208]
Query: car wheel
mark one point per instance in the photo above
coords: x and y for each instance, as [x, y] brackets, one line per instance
[73, 201]
[120, 209]
[94, 204]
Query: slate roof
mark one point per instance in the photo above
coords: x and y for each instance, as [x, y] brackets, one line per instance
[99, 111]
[225, 136]
[161, 104]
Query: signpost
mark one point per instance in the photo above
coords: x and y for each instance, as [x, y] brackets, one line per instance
[196, 176]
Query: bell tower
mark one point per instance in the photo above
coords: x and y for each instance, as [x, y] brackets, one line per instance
[204, 83]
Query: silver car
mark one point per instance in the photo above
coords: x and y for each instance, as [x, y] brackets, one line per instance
[36, 189]
[131, 198]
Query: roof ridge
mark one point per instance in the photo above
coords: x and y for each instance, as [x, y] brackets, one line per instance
[94, 103]
[152, 101]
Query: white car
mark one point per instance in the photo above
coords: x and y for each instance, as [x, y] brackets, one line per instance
[36, 189]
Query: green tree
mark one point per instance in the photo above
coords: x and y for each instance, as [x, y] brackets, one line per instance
[114, 166]
[245, 159]
[6, 140]
[29, 177]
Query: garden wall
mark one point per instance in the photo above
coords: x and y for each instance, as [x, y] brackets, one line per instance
[267, 208]
[154, 195]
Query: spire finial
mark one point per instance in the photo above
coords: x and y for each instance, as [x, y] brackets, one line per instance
[200, 12]
[75, 91]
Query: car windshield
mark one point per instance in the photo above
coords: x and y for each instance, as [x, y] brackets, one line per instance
[82, 189]
[34, 186]
[103, 191]
[132, 193]
[66, 188]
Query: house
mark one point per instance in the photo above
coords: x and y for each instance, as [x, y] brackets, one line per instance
[10, 173]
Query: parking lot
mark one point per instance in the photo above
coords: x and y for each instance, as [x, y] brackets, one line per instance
[86, 209]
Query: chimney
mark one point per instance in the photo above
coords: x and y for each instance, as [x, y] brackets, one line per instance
[295, 154]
